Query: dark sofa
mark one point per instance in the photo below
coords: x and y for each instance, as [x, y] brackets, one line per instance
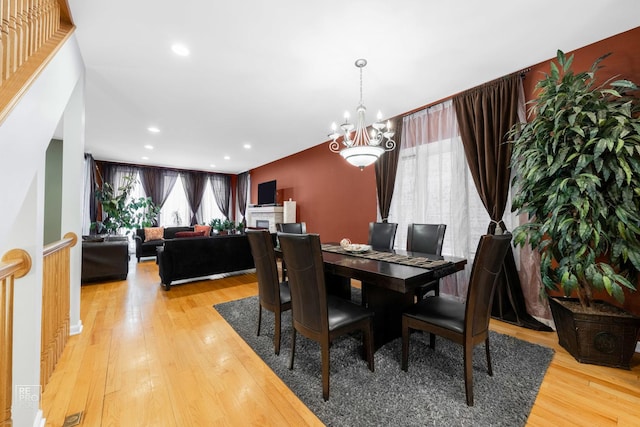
[193, 257]
[148, 249]
[104, 260]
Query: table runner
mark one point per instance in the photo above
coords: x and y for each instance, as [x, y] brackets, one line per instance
[421, 262]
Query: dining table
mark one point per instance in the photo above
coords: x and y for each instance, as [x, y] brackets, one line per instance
[388, 281]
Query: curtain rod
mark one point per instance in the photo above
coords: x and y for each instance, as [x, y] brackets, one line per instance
[162, 167]
[522, 73]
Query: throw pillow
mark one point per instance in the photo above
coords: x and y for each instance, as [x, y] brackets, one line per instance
[189, 234]
[206, 229]
[153, 233]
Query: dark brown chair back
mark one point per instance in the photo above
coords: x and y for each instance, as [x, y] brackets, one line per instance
[426, 238]
[468, 323]
[303, 255]
[292, 227]
[382, 235]
[482, 283]
[266, 269]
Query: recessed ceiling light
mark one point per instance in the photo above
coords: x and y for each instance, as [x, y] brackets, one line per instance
[247, 146]
[153, 129]
[180, 49]
[212, 165]
[145, 158]
[148, 147]
[227, 157]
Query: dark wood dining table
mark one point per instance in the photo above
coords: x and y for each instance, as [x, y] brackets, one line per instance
[388, 288]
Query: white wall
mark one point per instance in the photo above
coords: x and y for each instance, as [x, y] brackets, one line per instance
[24, 137]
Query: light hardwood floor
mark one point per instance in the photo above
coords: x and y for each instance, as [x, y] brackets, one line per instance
[147, 357]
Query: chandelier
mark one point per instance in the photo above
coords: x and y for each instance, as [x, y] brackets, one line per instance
[361, 148]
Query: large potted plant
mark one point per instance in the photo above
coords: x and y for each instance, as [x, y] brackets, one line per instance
[577, 177]
[124, 211]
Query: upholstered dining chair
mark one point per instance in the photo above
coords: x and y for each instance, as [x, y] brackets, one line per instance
[290, 227]
[382, 235]
[463, 323]
[273, 295]
[316, 315]
[428, 239]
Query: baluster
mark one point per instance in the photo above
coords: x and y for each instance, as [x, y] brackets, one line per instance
[39, 25]
[21, 34]
[13, 39]
[6, 40]
[33, 26]
[48, 13]
[2, 41]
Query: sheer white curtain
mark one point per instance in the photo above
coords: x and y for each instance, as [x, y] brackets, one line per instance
[176, 210]
[208, 208]
[434, 186]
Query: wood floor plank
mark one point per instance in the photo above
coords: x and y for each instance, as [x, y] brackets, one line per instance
[150, 357]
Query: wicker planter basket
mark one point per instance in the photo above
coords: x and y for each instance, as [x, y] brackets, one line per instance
[607, 339]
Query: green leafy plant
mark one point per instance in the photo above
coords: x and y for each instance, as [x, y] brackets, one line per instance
[577, 164]
[123, 211]
[216, 224]
[225, 226]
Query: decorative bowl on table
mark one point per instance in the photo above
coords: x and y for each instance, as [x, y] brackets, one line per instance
[356, 248]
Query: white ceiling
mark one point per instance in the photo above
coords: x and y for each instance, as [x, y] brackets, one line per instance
[275, 74]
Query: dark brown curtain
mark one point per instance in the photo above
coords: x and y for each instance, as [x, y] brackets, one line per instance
[158, 183]
[91, 178]
[108, 171]
[485, 114]
[221, 185]
[243, 189]
[386, 167]
[194, 185]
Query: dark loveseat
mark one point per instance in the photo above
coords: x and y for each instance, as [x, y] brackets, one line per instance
[193, 257]
[104, 260]
[148, 249]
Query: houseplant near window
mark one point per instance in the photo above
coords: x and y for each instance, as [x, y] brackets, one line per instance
[123, 211]
[577, 164]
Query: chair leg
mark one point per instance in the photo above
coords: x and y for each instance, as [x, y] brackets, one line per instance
[363, 294]
[368, 343]
[259, 318]
[293, 347]
[486, 348]
[468, 373]
[325, 371]
[276, 335]
[405, 345]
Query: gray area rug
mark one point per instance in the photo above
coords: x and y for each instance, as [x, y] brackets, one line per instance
[431, 393]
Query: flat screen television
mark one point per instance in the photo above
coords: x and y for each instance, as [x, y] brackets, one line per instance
[267, 193]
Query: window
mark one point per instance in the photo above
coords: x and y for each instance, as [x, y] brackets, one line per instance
[434, 186]
[176, 210]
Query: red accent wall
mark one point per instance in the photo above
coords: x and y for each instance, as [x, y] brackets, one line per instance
[335, 199]
[338, 200]
[623, 63]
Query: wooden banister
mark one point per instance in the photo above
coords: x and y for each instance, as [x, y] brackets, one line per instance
[15, 264]
[31, 32]
[55, 303]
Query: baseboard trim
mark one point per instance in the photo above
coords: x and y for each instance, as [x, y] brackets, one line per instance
[76, 329]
